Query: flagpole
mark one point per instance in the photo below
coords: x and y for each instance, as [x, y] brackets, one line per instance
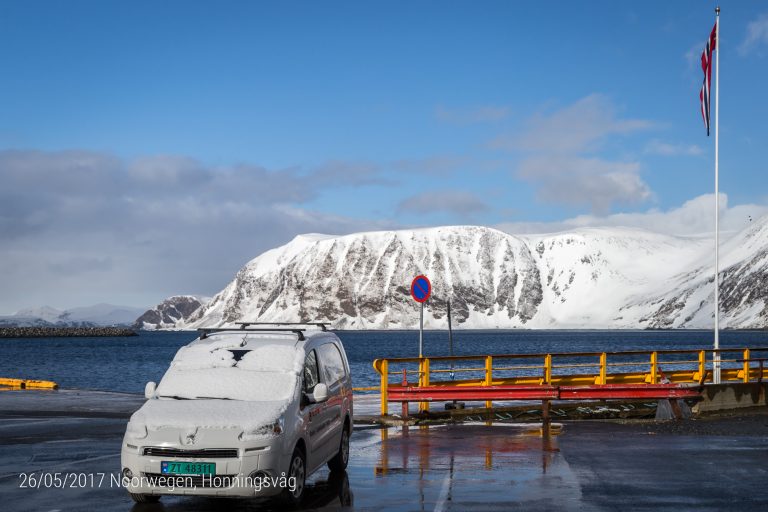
[716, 358]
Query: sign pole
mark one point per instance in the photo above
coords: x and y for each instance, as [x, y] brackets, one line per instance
[421, 330]
[450, 337]
[716, 358]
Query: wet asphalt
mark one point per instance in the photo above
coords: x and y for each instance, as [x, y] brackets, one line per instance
[713, 464]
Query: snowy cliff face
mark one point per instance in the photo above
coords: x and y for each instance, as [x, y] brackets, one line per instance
[362, 281]
[171, 311]
[688, 299]
[591, 278]
[588, 275]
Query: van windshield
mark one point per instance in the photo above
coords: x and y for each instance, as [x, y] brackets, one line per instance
[265, 372]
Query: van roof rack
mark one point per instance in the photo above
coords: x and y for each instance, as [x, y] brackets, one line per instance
[205, 331]
[321, 325]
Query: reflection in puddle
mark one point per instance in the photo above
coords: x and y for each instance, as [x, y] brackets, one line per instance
[436, 446]
[474, 465]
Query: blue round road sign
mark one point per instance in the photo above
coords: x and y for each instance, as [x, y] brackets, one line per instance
[421, 288]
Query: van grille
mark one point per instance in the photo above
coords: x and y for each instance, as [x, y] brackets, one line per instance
[207, 481]
[211, 453]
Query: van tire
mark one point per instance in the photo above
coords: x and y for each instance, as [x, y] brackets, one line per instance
[339, 461]
[144, 498]
[297, 469]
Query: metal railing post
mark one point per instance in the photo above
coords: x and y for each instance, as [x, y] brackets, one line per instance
[488, 377]
[424, 381]
[603, 368]
[746, 365]
[405, 405]
[548, 369]
[384, 371]
[702, 366]
[654, 367]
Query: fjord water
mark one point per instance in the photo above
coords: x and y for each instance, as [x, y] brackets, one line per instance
[126, 364]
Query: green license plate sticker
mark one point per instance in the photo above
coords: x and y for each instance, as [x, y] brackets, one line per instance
[168, 467]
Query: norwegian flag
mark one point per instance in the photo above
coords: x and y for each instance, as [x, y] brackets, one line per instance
[706, 66]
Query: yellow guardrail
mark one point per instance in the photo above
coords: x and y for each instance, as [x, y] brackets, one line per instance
[640, 367]
[28, 384]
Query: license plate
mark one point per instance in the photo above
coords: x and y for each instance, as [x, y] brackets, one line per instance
[168, 467]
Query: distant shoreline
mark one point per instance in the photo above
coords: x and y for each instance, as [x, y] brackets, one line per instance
[64, 332]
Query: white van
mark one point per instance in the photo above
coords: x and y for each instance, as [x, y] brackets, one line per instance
[250, 411]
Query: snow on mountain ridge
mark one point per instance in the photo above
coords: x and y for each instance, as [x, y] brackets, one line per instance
[368, 274]
[45, 313]
[687, 300]
[591, 273]
[588, 278]
[96, 315]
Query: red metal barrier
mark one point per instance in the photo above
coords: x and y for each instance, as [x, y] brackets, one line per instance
[544, 392]
[445, 393]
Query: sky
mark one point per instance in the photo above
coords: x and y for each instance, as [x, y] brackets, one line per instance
[153, 148]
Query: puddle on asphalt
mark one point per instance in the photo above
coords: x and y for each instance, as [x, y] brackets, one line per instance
[436, 468]
[442, 466]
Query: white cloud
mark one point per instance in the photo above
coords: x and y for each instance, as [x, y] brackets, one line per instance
[451, 201]
[561, 161]
[757, 35]
[167, 170]
[578, 128]
[473, 115]
[84, 227]
[577, 181]
[657, 147]
[694, 217]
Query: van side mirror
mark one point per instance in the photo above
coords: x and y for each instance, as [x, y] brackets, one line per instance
[320, 393]
[149, 390]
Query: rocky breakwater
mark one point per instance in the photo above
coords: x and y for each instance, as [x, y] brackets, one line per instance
[52, 332]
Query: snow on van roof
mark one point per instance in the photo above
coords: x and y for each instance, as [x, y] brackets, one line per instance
[234, 367]
[271, 354]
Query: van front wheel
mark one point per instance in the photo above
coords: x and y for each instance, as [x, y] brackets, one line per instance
[339, 461]
[297, 475]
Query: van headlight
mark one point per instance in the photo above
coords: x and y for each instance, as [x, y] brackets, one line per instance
[136, 430]
[273, 429]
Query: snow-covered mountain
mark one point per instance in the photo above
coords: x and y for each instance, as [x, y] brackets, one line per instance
[361, 281]
[687, 300]
[171, 311]
[590, 278]
[588, 275]
[90, 316]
